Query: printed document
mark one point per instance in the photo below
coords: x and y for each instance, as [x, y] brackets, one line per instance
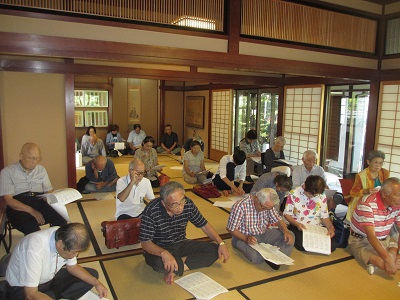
[201, 286]
[316, 239]
[91, 296]
[63, 196]
[272, 254]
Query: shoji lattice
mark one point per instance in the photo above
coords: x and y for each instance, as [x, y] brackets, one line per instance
[302, 120]
[221, 121]
[388, 133]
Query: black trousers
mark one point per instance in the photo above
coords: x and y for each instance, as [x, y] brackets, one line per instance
[62, 286]
[25, 222]
[230, 174]
[198, 254]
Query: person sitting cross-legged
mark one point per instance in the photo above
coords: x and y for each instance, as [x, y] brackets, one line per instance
[101, 174]
[131, 191]
[163, 235]
[373, 218]
[249, 223]
[36, 268]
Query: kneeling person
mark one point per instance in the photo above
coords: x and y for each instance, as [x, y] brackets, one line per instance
[249, 221]
[131, 191]
[36, 265]
[163, 235]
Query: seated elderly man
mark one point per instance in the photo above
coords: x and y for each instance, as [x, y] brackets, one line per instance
[163, 235]
[273, 158]
[36, 269]
[249, 221]
[370, 242]
[101, 174]
[131, 191]
[300, 173]
[249, 144]
[21, 185]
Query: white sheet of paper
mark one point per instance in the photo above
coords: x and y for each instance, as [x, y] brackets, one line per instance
[63, 196]
[237, 198]
[289, 163]
[62, 210]
[91, 296]
[201, 286]
[119, 146]
[225, 204]
[315, 239]
[159, 167]
[272, 254]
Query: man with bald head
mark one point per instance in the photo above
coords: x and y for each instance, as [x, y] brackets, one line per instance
[131, 191]
[20, 185]
[101, 174]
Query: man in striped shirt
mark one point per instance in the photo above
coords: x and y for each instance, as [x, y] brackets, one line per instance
[372, 220]
[163, 235]
[249, 223]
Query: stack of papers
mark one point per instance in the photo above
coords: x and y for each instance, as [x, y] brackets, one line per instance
[201, 286]
[272, 254]
[103, 196]
[316, 239]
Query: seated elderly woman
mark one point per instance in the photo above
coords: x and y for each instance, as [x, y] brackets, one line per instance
[194, 170]
[307, 205]
[148, 155]
[369, 180]
[273, 158]
[113, 136]
[277, 181]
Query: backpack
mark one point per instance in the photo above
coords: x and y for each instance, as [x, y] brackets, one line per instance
[206, 191]
[342, 231]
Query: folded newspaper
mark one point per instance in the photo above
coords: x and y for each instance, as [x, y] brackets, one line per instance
[272, 254]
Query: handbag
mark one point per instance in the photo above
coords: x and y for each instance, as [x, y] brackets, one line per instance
[121, 233]
[342, 231]
[163, 179]
[207, 191]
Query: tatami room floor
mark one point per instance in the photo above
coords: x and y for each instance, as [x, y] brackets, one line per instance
[127, 276]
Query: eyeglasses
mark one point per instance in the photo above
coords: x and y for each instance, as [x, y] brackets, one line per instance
[31, 158]
[176, 205]
[141, 173]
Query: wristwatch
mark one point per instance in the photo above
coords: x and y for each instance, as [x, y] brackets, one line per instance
[222, 243]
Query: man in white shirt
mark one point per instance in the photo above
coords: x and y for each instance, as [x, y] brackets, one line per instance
[36, 268]
[300, 173]
[135, 138]
[131, 191]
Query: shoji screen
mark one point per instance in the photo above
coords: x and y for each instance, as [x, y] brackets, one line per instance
[388, 133]
[221, 123]
[302, 120]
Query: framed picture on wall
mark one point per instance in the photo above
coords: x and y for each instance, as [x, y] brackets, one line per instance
[194, 111]
[79, 118]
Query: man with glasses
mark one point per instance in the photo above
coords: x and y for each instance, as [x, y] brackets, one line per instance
[21, 184]
[131, 191]
[101, 174]
[163, 235]
[249, 224]
[36, 267]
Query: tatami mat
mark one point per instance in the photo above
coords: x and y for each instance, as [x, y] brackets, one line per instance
[97, 266]
[234, 274]
[345, 280]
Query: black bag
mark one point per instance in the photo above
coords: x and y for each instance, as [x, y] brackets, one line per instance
[342, 231]
[80, 186]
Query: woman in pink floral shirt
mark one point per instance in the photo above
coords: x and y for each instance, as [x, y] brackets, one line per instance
[307, 204]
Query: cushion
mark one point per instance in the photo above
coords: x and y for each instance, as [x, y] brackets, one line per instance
[346, 185]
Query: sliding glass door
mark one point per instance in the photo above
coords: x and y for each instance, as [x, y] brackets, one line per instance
[256, 109]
